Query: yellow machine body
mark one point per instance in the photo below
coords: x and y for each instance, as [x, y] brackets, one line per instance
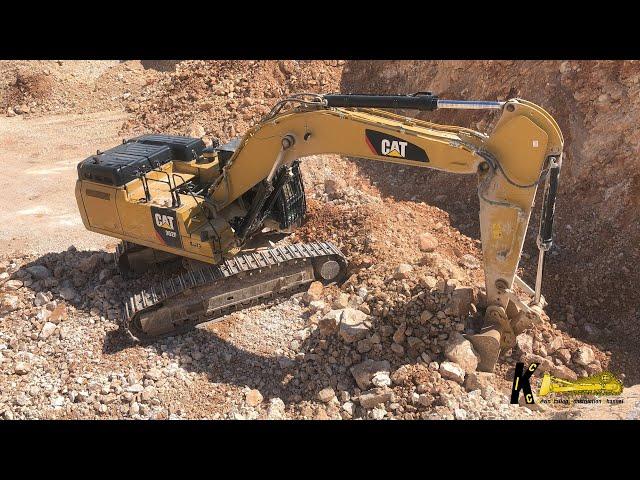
[509, 163]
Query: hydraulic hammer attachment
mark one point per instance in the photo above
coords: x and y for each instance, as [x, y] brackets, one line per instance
[500, 328]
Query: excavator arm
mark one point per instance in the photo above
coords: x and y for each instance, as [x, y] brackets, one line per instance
[524, 148]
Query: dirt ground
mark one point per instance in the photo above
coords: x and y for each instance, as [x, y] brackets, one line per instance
[39, 156]
[62, 354]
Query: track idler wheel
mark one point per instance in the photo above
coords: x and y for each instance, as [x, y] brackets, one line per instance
[329, 270]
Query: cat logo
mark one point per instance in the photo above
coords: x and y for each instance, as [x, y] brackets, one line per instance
[164, 221]
[393, 148]
[166, 226]
[386, 145]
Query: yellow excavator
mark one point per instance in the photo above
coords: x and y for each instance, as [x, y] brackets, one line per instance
[166, 196]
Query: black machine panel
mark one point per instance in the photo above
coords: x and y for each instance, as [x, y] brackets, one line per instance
[183, 148]
[123, 163]
[226, 151]
[290, 205]
[119, 165]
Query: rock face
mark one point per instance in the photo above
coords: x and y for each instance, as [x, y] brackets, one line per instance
[353, 325]
[460, 351]
[596, 110]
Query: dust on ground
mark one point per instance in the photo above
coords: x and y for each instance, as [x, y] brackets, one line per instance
[39, 156]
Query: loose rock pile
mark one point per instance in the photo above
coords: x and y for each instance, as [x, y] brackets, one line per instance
[68, 86]
[387, 344]
[223, 99]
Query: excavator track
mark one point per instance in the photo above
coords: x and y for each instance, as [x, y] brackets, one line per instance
[179, 303]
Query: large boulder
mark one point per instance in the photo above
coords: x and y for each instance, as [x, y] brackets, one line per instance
[564, 372]
[372, 398]
[328, 324]
[584, 356]
[39, 272]
[427, 242]
[402, 271]
[326, 395]
[314, 292]
[354, 325]
[460, 303]
[364, 372]
[459, 350]
[253, 398]
[478, 381]
[524, 343]
[9, 303]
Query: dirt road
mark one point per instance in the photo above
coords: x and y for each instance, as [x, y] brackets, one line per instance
[39, 158]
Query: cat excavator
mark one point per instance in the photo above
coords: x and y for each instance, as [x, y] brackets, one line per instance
[168, 196]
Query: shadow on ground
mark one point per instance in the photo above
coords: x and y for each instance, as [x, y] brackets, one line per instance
[88, 281]
[320, 363]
